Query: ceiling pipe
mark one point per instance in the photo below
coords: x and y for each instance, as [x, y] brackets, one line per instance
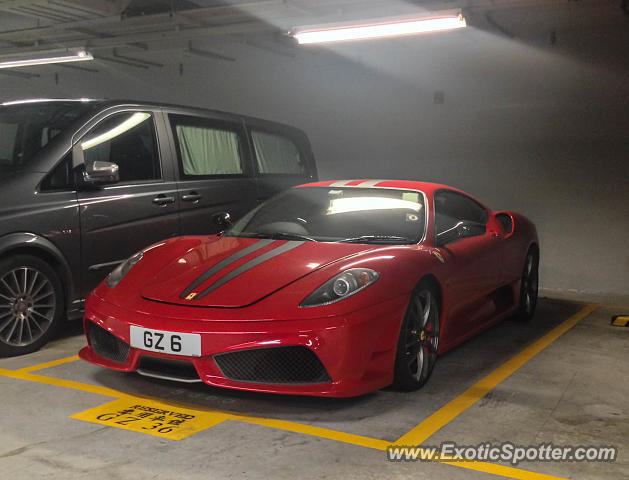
[207, 54]
[137, 60]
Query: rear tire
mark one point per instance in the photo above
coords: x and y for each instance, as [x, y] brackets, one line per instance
[31, 304]
[418, 341]
[529, 286]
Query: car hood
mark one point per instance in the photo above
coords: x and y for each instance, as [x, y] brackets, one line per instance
[236, 272]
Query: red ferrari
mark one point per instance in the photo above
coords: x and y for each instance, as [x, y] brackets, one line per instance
[332, 289]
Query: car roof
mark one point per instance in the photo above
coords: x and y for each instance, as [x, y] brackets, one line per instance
[103, 103]
[426, 187]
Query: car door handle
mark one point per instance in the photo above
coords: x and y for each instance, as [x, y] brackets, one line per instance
[162, 200]
[191, 197]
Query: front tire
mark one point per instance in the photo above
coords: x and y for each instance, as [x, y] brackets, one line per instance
[31, 304]
[419, 340]
[529, 286]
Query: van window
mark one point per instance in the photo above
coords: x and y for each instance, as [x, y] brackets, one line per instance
[61, 176]
[128, 140]
[277, 154]
[205, 148]
[26, 128]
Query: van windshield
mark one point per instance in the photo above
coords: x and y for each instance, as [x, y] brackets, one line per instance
[26, 128]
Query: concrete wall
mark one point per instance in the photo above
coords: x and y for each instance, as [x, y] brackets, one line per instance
[537, 130]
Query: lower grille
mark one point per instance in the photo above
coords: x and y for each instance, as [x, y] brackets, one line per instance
[107, 345]
[293, 365]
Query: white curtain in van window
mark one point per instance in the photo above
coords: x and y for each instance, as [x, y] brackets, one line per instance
[276, 154]
[206, 151]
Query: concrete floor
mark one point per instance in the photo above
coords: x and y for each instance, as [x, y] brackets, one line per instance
[574, 392]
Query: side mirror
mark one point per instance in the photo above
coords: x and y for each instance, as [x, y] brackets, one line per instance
[506, 220]
[101, 173]
[462, 229]
[223, 220]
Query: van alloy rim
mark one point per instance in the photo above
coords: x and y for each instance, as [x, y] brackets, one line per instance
[27, 306]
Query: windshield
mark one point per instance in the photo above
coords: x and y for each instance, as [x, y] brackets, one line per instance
[326, 214]
[27, 128]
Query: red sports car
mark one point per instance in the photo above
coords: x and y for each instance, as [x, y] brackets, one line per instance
[331, 288]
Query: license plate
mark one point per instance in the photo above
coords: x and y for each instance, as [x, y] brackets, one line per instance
[173, 343]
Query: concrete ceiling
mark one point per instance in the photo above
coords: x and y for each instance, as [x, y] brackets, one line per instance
[149, 33]
[100, 25]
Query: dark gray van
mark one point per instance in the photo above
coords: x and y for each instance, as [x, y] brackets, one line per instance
[86, 183]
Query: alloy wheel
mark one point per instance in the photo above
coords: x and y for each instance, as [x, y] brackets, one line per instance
[422, 335]
[530, 282]
[27, 306]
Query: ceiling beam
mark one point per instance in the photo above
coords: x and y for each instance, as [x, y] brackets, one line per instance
[244, 9]
[94, 44]
[76, 7]
[98, 7]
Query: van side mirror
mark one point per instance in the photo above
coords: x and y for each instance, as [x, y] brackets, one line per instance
[462, 229]
[223, 220]
[95, 173]
[99, 173]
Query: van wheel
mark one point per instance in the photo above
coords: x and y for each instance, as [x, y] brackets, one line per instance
[31, 304]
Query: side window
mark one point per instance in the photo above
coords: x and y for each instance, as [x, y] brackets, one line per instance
[207, 148]
[277, 154]
[9, 136]
[61, 176]
[128, 140]
[453, 207]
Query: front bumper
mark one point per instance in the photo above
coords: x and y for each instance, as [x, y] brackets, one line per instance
[356, 350]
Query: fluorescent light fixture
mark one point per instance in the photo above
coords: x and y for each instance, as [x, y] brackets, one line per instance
[79, 56]
[392, 28]
[119, 129]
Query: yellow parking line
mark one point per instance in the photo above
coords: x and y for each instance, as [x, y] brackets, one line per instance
[315, 431]
[615, 307]
[58, 382]
[448, 412]
[415, 437]
[373, 443]
[53, 363]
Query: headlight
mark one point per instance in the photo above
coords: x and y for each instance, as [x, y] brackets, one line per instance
[343, 285]
[121, 270]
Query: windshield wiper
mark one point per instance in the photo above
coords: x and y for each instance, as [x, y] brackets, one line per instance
[376, 238]
[281, 236]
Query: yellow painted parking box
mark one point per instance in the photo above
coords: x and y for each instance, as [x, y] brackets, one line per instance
[151, 417]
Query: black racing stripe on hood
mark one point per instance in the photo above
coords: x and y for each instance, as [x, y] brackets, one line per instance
[290, 245]
[260, 244]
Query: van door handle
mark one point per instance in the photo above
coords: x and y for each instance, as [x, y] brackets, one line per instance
[162, 200]
[191, 197]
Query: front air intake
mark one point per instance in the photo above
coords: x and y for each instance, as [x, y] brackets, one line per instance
[273, 365]
[107, 345]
